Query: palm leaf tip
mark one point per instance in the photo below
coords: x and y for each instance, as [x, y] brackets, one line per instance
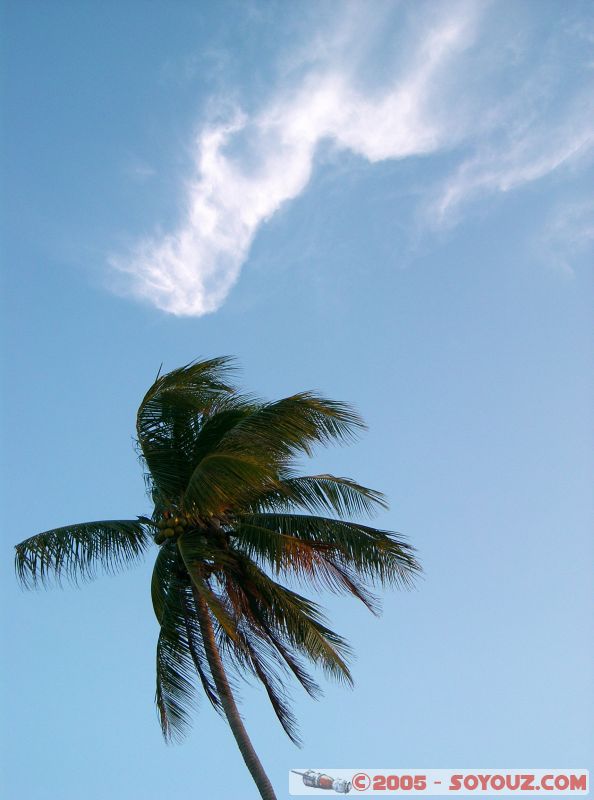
[175, 695]
[257, 655]
[363, 553]
[77, 552]
[195, 386]
[180, 656]
[169, 415]
[340, 496]
[292, 426]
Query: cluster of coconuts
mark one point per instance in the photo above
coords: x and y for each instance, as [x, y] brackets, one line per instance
[170, 526]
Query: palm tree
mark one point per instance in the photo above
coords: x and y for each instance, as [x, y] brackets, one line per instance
[229, 521]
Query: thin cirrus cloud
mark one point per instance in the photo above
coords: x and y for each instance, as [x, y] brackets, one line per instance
[248, 166]
[514, 158]
[569, 235]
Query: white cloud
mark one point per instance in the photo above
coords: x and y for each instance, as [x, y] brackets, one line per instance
[248, 166]
[191, 270]
[518, 158]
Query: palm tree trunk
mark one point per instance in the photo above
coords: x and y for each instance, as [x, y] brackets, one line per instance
[219, 675]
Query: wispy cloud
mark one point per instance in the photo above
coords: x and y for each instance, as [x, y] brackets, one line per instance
[247, 166]
[569, 236]
[140, 171]
[517, 157]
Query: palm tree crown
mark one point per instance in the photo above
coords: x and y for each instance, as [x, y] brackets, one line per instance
[234, 520]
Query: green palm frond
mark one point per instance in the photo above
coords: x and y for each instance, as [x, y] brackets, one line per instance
[297, 622]
[318, 565]
[222, 417]
[175, 695]
[180, 651]
[253, 653]
[169, 415]
[224, 480]
[75, 552]
[197, 651]
[241, 455]
[199, 558]
[322, 493]
[292, 661]
[248, 594]
[164, 571]
[292, 426]
[264, 643]
[378, 556]
[190, 389]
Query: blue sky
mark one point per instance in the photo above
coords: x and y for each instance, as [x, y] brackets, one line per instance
[389, 202]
